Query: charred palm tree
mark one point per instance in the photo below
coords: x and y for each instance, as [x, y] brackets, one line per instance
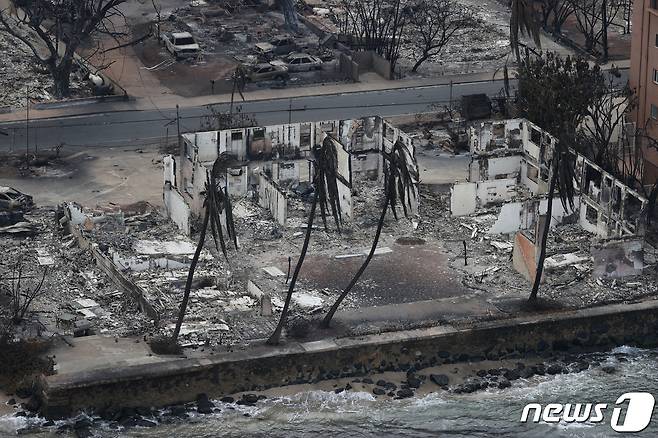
[523, 21]
[562, 180]
[325, 184]
[401, 177]
[216, 203]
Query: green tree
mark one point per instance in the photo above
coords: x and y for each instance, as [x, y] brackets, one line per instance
[401, 178]
[556, 93]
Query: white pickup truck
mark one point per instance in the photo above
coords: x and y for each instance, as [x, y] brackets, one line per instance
[181, 44]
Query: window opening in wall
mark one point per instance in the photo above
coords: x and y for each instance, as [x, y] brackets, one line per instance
[532, 173]
[591, 215]
[305, 135]
[535, 136]
[258, 134]
[632, 208]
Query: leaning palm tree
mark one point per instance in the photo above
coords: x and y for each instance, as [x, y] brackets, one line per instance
[216, 203]
[325, 166]
[523, 21]
[562, 180]
[400, 182]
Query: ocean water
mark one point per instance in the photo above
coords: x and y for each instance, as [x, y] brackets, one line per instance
[490, 413]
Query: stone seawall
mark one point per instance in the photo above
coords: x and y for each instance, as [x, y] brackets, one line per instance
[261, 367]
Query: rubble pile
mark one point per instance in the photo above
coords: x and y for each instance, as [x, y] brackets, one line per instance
[489, 268]
[77, 297]
[482, 47]
[21, 75]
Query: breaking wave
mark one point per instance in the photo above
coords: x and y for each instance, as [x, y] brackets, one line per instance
[492, 412]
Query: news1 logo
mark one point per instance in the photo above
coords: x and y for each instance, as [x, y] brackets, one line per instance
[637, 414]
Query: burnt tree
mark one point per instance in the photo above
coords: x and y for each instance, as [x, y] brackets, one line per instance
[400, 190]
[593, 18]
[433, 24]
[377, 25]
[325, 185]
[554, 13]
[55, 29]
[523, 22]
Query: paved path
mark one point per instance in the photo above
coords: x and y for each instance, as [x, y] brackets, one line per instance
[97, 352]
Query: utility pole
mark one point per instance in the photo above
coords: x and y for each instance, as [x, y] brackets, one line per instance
[27, 124]
[604, 15]
[450, 95]
[178, 128]
[289, 123]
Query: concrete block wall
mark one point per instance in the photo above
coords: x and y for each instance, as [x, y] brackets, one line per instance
[261, 367]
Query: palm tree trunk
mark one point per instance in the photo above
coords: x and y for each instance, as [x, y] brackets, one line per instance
[547, 226]
[190, 275]
[327, 319]
[276, 336]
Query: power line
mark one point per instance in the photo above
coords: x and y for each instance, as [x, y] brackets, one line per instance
[164, 118]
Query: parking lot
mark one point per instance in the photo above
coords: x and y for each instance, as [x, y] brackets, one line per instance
[227, 41]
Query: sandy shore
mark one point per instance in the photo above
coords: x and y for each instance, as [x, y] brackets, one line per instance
[457, 374]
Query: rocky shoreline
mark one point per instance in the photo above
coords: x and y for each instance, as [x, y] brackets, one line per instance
[455, 378]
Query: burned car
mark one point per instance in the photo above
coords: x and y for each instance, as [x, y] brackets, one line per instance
[13, 200]
[279, 45]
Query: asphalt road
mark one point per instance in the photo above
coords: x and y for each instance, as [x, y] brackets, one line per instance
[133, 127]
[141, 126]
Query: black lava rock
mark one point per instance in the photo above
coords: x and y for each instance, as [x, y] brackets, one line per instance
[413, 382]
[405, 393]
[504, 383]
[178, 411]
[526, 372]
[250, 398]
[204, 405]
[227, 399]
[511, 374]
[23, 392]
[555, 368]
[440, 379]
[378, 391]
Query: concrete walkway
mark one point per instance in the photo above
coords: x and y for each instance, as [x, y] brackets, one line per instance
[99, 352]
